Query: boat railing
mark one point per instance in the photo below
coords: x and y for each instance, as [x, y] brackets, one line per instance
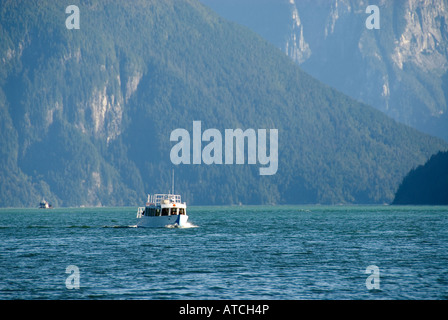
[140, 211]
[157, 199]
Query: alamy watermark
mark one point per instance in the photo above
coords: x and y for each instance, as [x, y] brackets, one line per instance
[72, 21]
[373, 280]
[373, 21]
[234, 147]
[72, 281]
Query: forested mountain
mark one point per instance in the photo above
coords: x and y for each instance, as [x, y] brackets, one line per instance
[400, 68]
[426, 184]
[86, 114]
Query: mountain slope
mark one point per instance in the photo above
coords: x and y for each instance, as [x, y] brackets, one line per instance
[88, 113]
[400, 69]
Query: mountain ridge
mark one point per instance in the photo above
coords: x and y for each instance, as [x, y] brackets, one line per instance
[88, 113]
[400, 68]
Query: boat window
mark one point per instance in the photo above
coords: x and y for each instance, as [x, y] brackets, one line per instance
[157, 212]
[174, 211]
[152, 212]
[165, 211]
[181, 211]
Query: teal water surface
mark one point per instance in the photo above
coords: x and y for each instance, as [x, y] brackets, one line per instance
[246, 252]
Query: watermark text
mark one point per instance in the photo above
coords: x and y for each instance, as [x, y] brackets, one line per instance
[234, 147]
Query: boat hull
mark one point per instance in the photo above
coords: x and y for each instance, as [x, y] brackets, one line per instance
[162, 221]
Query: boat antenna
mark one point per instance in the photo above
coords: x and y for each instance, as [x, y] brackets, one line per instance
[173, 181]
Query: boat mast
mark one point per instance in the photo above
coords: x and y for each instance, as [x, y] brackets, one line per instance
[173, 181]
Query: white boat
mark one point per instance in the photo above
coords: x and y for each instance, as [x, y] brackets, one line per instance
[45, 205]
[163, 210]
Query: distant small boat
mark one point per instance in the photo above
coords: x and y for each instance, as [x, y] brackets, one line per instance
[45, 205]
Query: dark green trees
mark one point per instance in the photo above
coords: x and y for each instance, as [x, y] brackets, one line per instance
[426, 184]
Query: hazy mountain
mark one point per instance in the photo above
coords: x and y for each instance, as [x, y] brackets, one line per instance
[427, 184]
[400, 69]
[87, 114]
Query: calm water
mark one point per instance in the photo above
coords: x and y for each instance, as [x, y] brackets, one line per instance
[260, 252]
